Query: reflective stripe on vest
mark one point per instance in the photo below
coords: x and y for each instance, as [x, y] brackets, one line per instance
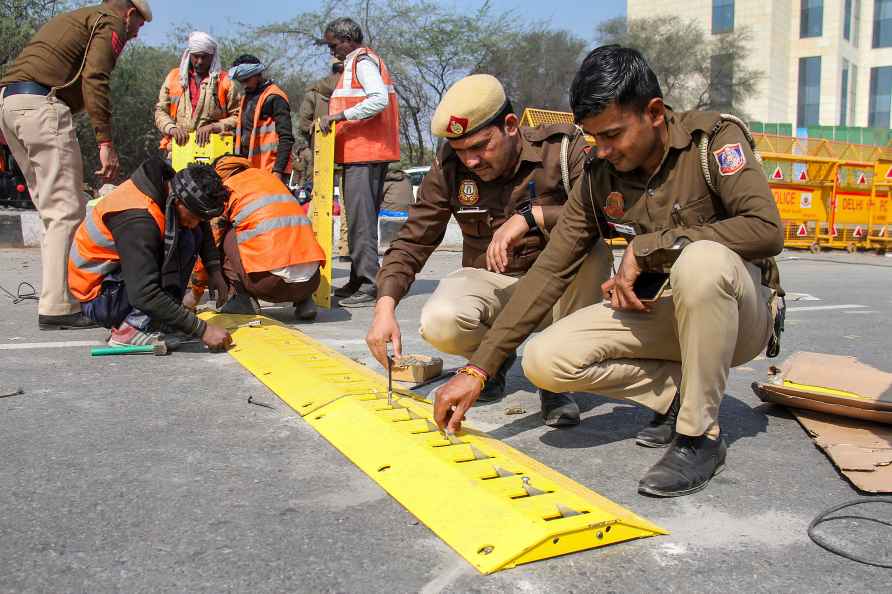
[375, 139]
[271, 227]
[263, 146]
[175, 92]
[93, 254]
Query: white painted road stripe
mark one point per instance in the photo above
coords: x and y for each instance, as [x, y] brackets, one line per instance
[50, 345]
[825, 307]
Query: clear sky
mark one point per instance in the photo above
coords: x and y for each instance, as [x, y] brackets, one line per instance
[218, 16]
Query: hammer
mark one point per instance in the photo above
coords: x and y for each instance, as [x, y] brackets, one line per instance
[158, 349]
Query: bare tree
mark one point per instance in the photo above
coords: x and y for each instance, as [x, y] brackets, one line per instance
[696, 71]
[536, 67]
[19, 20]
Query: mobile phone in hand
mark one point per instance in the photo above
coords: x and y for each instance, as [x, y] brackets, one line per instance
[650, 285]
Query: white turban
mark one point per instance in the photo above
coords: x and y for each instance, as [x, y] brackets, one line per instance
[199, 43]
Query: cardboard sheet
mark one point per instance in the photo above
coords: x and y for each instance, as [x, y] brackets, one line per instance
[840, 373]
[861, 450]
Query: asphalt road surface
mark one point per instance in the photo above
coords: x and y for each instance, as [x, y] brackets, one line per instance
[145, 474]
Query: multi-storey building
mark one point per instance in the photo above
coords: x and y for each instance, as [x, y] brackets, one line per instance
[825, 62]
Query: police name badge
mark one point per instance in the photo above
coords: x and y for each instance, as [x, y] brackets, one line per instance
[730, 158]
[468, 194]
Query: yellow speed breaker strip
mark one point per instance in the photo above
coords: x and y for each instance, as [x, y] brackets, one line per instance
[495, 506]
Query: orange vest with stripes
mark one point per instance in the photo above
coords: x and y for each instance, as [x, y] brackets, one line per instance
[264, 142]
[271, 227]
[93, 254]
[176, 92]
[375, 139]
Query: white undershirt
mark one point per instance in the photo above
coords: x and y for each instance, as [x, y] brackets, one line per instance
[297, 273]
[377, 99]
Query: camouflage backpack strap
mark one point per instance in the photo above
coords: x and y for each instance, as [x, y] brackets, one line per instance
[706, 141]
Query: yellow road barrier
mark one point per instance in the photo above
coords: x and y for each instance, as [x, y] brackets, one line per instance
[493, 505]
[321, 205]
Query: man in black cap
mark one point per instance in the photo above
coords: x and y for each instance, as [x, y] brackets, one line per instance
[134, 253]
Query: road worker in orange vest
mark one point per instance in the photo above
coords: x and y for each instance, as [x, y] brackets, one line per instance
[198, 96]
[264, 134]
[364, 105]
[133, 255]
[269, 249]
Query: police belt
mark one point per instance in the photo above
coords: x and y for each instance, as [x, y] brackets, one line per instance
[25, 88]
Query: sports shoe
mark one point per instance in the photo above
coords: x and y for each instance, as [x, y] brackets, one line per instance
[660, 432]
[127, 335]
[75, 321]
[305, 311]
[686, 467]
[364, 297]
[347, 290]
[494, 389]
[558, 410]
[241, 303]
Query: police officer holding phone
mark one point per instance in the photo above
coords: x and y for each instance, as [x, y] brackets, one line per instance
[688, 193]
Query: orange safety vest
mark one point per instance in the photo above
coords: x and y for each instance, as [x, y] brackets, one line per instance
[264, 142]
[271, 227]
[376, 139]
[93, 254]
[175, 91]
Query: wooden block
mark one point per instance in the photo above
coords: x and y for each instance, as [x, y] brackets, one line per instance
[416, 368]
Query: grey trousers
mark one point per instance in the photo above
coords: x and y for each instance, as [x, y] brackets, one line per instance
[363, 193]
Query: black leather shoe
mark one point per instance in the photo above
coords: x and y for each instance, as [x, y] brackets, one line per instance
[686, 467]
[75, 321]
[558, 410]
[347, 290]
[494, 390]
[660, 432]
[306, 311]
[241, 304]
[364, 297]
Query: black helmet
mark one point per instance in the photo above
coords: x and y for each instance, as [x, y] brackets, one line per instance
[200, 190]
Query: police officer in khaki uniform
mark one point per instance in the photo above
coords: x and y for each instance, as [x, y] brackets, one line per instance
[64, 69]
[505, 186]
[714, 231]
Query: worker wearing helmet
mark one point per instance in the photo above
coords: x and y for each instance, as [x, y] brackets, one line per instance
[132, 256]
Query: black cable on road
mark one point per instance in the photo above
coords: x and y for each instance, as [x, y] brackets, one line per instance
[823, 517]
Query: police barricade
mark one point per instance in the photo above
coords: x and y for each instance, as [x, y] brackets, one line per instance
[880, 208]
[802, 187]
[852, 201]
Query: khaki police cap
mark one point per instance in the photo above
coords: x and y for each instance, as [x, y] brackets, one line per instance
[144, 9]
[469, 105]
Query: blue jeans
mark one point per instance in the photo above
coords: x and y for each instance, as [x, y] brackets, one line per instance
[112, 306]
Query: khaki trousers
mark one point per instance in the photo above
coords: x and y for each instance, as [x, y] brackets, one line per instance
[467, 302]
[40, 133]
[717, 317]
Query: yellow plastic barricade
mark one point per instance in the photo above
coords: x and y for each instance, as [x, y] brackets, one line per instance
[183, 156]
[320, 207]
[880, 207]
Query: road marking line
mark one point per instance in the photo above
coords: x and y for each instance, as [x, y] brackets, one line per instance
[825, 307]
[861, 312]
[50, 345]
[801, 297]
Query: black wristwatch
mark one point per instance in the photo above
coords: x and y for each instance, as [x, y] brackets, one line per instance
[526, 211]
